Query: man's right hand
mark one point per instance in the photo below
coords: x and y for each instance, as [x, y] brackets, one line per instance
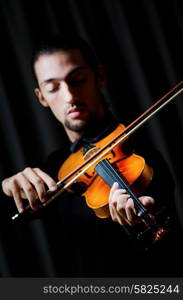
[28, 184]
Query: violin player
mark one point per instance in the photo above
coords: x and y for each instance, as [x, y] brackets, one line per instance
[69, 82]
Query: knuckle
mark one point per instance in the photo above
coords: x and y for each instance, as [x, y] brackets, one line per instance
[128, 205]
[120, 191]
[121, 206]
[38, 181]
[27, 169]
[17, 176]
[113, 203]
[12, 183]
[29, 188]
[4, 182]
[116, 193]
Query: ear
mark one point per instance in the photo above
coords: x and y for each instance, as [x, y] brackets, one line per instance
[40, 97]
[101, 76]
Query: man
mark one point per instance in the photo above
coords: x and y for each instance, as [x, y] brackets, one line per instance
[69, 82]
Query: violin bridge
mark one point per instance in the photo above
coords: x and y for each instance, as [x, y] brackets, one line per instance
[89, 150]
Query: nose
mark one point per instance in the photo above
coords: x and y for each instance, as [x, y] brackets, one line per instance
[68, 93]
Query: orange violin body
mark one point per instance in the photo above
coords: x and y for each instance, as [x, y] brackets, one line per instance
[131, 167]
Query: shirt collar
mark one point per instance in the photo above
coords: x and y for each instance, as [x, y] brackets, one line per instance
[95, 132]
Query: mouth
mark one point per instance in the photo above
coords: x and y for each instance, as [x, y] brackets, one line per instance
[76, 111]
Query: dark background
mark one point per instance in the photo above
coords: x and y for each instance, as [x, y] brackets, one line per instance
[141, 45]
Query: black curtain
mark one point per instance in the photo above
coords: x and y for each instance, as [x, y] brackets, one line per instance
[141, 45]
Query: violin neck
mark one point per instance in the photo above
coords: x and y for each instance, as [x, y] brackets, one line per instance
[110, 175]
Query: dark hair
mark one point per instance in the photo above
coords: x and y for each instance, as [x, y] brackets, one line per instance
[55, 43]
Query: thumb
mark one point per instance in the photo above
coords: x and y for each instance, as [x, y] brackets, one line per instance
[147, 201]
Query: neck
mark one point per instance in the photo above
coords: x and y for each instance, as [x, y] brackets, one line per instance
[76, 135]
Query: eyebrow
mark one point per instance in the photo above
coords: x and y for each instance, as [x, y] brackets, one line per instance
[69, 74]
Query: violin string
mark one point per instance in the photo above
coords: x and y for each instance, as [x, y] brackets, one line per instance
[62, 186]
[114, 144]
[113, 174]
[122, 139]
[130, 127]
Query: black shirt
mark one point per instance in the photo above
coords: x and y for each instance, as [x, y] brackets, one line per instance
[84, 245]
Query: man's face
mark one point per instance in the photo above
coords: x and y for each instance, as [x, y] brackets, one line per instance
[70, 88]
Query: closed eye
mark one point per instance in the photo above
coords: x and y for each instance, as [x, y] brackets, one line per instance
[52, 87]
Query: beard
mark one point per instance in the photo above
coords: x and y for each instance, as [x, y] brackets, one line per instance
[79, 126]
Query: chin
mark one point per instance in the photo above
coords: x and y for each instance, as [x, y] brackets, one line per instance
[76, 125]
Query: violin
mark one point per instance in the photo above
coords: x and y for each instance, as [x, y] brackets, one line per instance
[95, 167]
[101, 175]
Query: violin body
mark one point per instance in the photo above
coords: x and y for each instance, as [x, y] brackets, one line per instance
[132, 168]
[131, 172]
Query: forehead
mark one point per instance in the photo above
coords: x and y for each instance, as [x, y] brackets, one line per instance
[58, 64]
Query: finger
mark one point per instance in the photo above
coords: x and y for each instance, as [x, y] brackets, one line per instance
[122, 218]
[117, 202]
[37, 183]
[120, 193]
[112, 209]
[126, 210]
[113, 189]
[147, 201]
[15, 192]
[29, 190]
[52, 185]
[121, 208]
[117, 207]
[119, 220]
[131, 212]
[115, 193]
[111, 205]
[6, 187]
[115, 217]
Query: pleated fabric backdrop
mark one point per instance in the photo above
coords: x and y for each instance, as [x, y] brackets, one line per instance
[141, 45]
